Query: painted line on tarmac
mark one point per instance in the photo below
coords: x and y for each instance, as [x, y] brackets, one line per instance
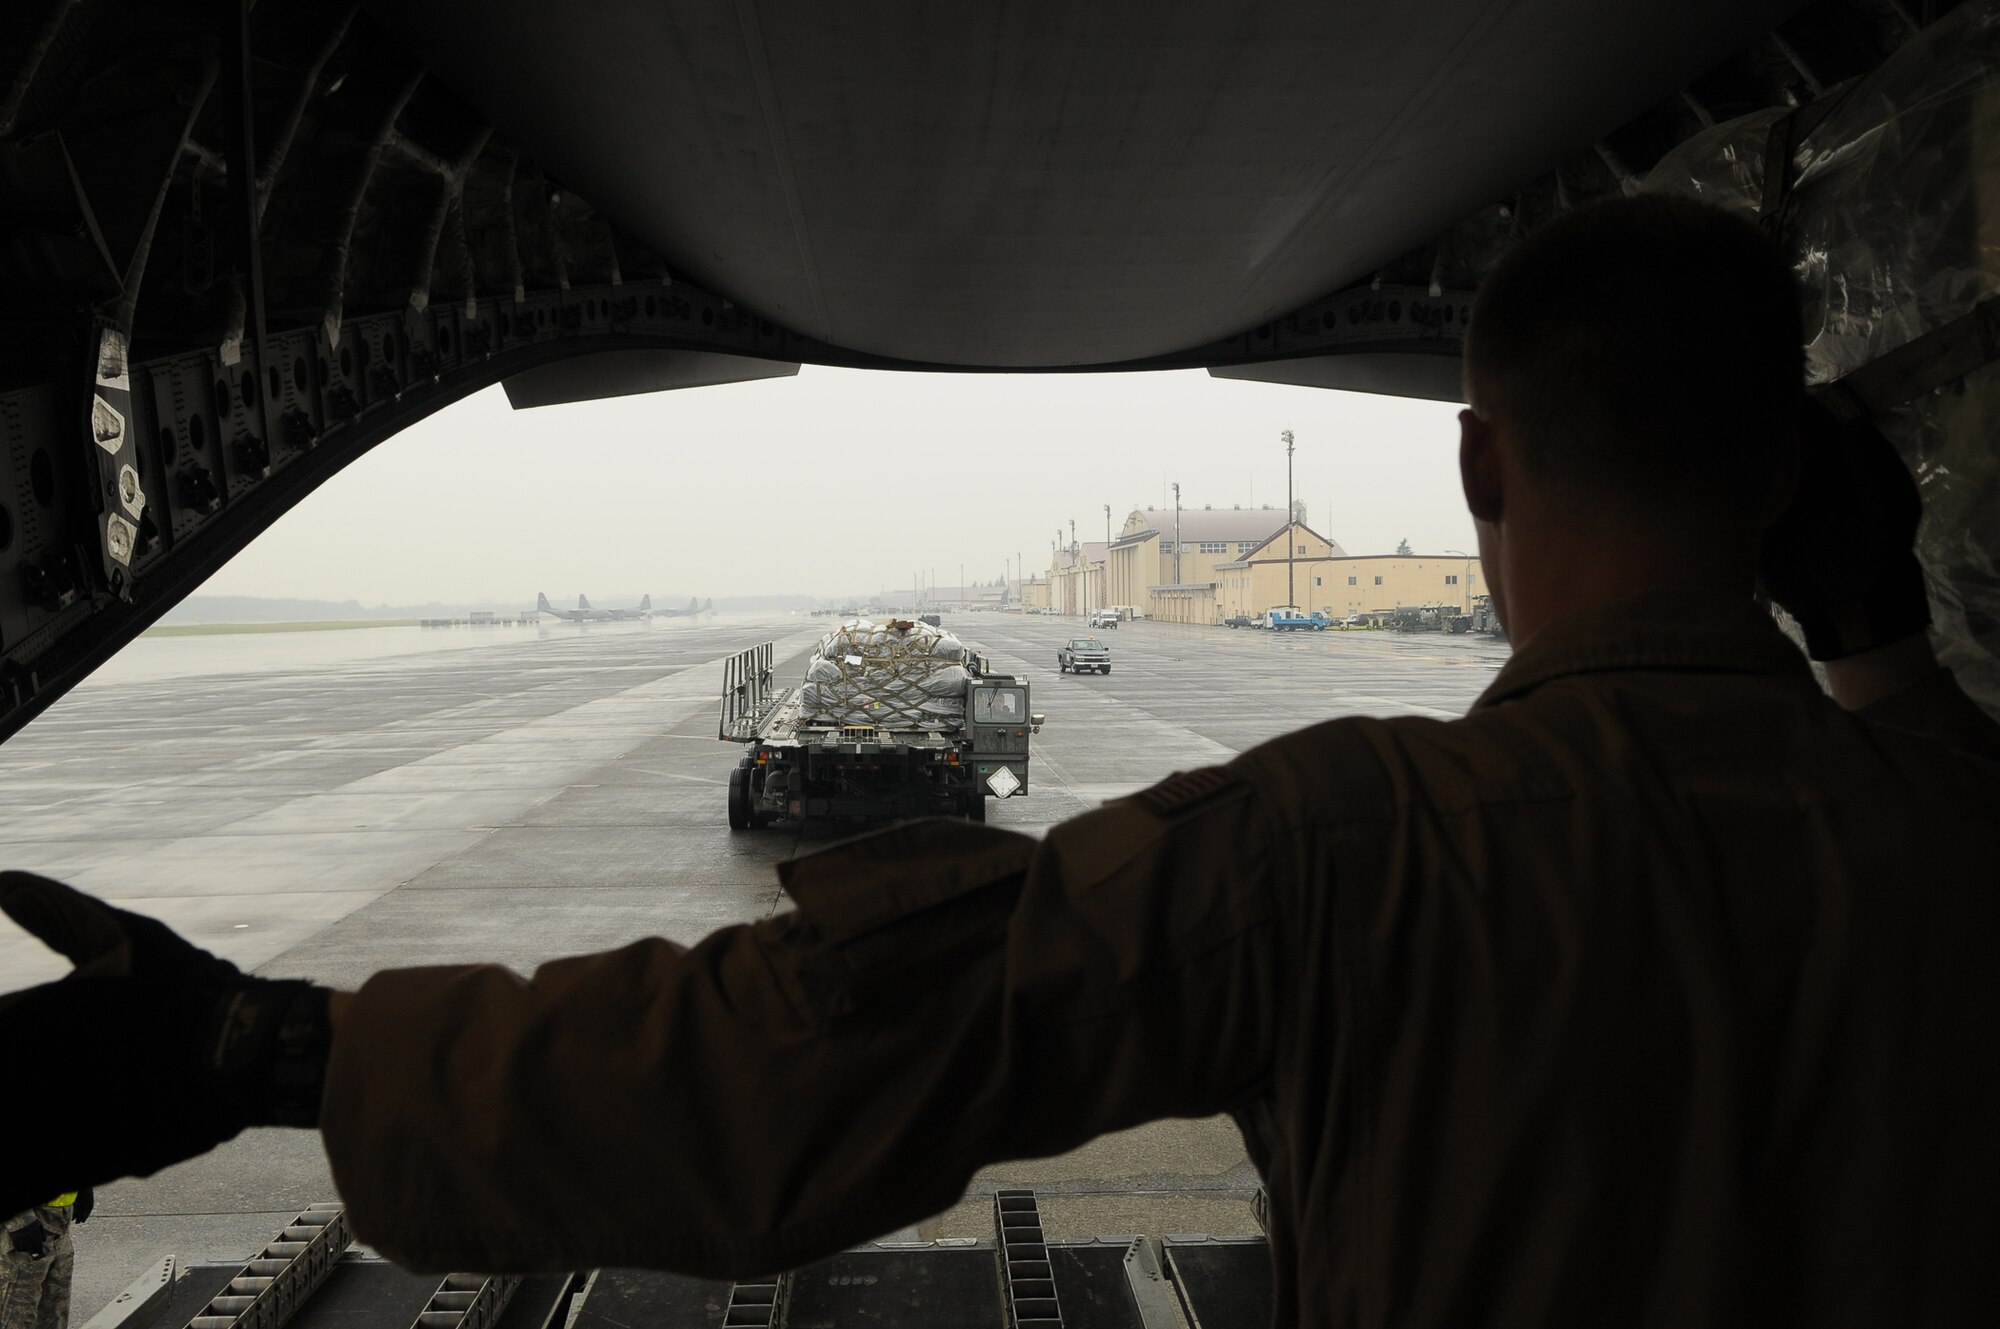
[295, 869]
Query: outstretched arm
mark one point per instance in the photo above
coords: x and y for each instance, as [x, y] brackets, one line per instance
[1903, 686]
[945, 996]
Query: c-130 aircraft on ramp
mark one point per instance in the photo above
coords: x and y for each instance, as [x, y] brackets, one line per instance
[584, 613]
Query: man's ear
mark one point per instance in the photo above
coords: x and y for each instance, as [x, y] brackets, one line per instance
[1479, 466]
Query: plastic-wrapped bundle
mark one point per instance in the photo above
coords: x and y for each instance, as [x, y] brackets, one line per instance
[1888, 221]
[1723, 165]
[1896, 235]
[895, 675]
[1893, 228]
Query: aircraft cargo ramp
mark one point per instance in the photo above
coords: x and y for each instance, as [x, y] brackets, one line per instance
[308, 1277]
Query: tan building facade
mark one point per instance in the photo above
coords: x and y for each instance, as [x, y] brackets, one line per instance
[1245, 561]
[1146, 569]
[1076, 579]
[1343, 584]
[1271, 573]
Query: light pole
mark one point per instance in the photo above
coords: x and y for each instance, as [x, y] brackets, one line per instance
[1464, 585]
[1076, 564]
[1107, 556]
[1177, 532]
[1291, 592]
[1309, 590]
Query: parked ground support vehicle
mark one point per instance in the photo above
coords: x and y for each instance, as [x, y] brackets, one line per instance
[1431, 618]
[1484, 619]
[1292, 618]
[795, 767]
[1240, 621]
[1104, 618]
[1081, 655]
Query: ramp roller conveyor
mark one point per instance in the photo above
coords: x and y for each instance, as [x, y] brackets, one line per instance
[1023, 1279]
[466, 1301]
[752, 1306]
[274, 1284]
[1024, 1262]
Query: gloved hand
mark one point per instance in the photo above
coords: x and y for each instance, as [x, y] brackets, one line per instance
[1842, 560]
[31, 1240]
[85, 1206]
[163, 1050]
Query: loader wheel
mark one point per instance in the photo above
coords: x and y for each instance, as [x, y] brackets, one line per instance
[739, 799]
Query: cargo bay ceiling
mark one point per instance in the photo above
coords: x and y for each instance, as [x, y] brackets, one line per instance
[240, 244]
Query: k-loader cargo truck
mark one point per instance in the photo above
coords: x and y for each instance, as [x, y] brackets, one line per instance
[845, 745]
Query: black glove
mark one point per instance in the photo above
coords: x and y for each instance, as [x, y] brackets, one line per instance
[31, 1240]
[1842, 560]
[164, 1050]
[85, 1206]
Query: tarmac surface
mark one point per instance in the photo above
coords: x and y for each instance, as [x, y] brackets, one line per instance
[395, 796]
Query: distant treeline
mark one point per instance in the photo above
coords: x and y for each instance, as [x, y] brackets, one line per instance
[274, 609]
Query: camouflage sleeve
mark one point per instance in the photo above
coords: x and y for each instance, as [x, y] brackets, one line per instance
[945, 996]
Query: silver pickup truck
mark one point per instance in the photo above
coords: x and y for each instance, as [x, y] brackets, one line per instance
[1082, 654]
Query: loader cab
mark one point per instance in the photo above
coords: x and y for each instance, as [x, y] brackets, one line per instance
[999, 721]
[1000, 703]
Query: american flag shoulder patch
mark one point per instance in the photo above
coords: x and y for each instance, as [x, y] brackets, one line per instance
[1186, 789]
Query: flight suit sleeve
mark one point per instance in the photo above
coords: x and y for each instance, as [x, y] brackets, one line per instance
[1937, 707]
[944, 996]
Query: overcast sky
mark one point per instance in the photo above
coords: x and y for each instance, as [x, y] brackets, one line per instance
[837, 482]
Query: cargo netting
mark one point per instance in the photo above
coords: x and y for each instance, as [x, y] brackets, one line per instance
[894, 675]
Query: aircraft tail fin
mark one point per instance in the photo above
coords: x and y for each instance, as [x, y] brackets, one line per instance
[582, 603]
[645, 604]
[542, 602]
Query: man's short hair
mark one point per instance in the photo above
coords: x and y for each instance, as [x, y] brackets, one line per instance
[1645, 350]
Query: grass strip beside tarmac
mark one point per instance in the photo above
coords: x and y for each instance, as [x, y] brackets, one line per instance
[222, 629]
